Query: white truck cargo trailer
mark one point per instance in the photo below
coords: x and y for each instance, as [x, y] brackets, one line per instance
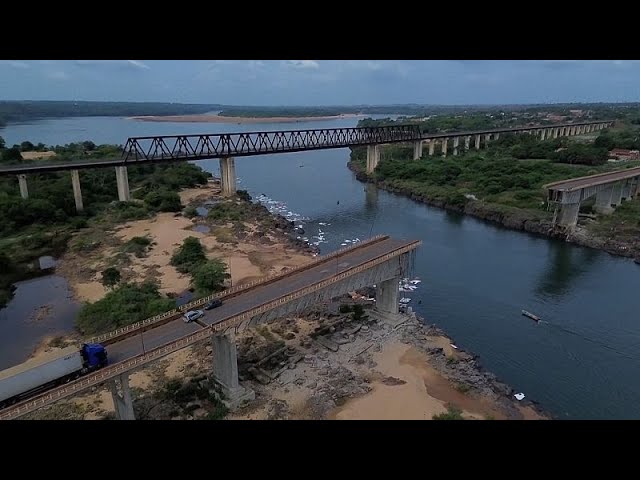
[37, 372]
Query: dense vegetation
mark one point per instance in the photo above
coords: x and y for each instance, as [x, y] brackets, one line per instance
[124, 305]
[509, 173]
[208, 276]
[42, 223]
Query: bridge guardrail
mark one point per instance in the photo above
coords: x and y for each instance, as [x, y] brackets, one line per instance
[113, 371]
[109, 337]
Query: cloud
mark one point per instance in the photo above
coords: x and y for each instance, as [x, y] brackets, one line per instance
[16, 64]
[58, 75]
[303, 64]
[139, 64]
[135, 64]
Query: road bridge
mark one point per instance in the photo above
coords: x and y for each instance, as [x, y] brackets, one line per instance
[228, 146]
[380, 260]
[610, 190]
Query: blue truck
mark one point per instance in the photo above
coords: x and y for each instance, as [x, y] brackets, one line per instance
[47, 371]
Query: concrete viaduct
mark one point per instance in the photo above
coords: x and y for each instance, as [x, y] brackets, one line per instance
[227, 146]
[379, 261]
[610, 190]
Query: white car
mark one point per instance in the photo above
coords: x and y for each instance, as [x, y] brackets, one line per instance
[192, 315]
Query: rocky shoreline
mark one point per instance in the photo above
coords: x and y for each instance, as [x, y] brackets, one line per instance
[513, 219]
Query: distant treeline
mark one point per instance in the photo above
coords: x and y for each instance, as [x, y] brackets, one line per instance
[23, 110]
[16, 111]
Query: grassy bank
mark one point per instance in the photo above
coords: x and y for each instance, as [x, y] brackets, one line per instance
[43, 223]
[494, 185]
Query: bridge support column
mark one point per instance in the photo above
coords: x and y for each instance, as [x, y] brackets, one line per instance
[467, 142]
[569, 215]
[626, 189]
[24, 191]
[634, 187]
[477, 142]
[555, 132]
[417, 150]
[432, 147]
[228, 176]
[373, 157]
[77, 193]
[445, 142]
[487, 137]
[387, 295]
[456, 143]
[543, 134]
[122, 179]
[603, 201]
[616, 196]
[122, 397]
[225, 371]
[496, 136]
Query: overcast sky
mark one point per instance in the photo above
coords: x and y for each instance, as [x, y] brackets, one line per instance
[322, 82]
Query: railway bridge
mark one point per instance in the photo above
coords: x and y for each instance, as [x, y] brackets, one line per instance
[228, 146]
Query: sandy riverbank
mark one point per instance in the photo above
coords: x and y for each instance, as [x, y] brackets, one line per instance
[393, 368]
[382, 368]
[240, 120]
[248, 259]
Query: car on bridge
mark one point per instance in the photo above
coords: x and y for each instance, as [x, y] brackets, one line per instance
[216, 302]
[193, 315]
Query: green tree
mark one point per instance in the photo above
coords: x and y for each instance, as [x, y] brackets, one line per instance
[210, 276]
[124, 305]
[26, 146]
[189, 255]
[2, 144]
[110, 277]
[11, 155]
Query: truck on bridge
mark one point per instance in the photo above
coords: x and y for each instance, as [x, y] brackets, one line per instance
[39, 374]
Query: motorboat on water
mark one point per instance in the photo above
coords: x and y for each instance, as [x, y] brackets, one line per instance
[531, 316]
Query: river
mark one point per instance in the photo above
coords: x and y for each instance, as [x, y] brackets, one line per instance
[582, 362]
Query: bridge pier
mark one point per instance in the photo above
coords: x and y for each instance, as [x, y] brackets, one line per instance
[616, 196]
[487, 138]
[121, 395]
[122, 179]
[456, 142]
[543, 134]
[634, 187]
[432, 147]
[77, 193]
[225, 371]
[603, 201]
[467, 143]
[417, 150]
[626, 190]
[569, 215]
[228, 176]
[22, 181]
[387, 295]
[373, 157]
[477, 142]
[445, 142]
[496, 136]
[555, 132]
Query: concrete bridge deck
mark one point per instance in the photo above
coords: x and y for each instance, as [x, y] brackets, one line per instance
[329, 277]
[593, 180]
[610, 190]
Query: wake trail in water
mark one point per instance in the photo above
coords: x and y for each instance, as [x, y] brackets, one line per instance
[590, 340]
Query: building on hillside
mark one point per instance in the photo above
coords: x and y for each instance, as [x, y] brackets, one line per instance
[622, 154]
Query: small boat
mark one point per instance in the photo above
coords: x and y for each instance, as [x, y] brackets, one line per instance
[531, 315]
